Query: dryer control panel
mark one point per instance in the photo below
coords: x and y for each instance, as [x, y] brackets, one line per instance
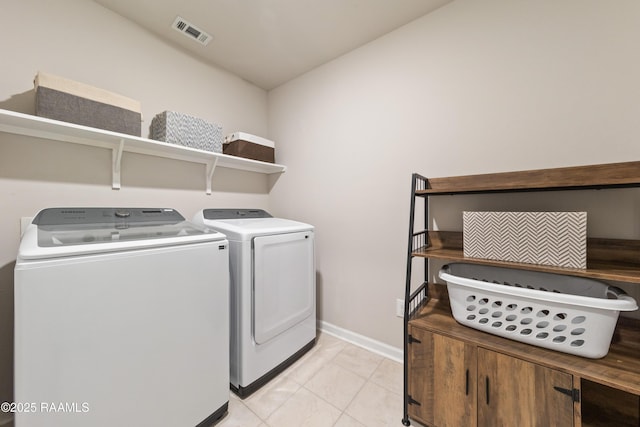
[235, 213]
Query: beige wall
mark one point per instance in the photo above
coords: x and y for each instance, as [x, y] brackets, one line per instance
[475, 87]
[79, 39]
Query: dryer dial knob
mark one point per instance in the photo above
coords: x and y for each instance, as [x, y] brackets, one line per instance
[122, 214]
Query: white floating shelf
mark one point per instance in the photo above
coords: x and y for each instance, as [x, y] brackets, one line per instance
[119, 143]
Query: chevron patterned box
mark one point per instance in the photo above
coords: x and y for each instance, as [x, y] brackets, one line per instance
[547, 238]
[190, 131]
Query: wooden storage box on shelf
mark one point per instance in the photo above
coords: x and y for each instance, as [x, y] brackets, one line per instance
[249, 146]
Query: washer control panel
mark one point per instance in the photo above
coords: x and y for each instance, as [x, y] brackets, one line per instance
[106, 216]
[81, 226]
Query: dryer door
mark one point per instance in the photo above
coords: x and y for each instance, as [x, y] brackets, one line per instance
[283, 283]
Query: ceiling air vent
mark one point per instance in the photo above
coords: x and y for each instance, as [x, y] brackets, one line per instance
[191, 31]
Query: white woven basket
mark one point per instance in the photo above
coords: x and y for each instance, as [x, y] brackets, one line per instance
[564, 313]
[186, 130]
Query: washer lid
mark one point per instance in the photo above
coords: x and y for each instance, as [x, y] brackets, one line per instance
[245, 227]
[67, 231]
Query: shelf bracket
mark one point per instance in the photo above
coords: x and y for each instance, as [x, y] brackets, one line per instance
[116, 162]
[211, 167]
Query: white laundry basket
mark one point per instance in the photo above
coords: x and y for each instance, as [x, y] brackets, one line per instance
[565, 313]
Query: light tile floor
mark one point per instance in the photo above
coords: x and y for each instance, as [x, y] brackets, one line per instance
[335, 384]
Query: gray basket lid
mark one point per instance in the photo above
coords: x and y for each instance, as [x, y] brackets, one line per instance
[542, 281]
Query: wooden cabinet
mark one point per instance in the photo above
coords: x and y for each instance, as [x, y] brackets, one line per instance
[442, 382]
[513, 392]
[458, 376]
[454, 383]
[522, 378]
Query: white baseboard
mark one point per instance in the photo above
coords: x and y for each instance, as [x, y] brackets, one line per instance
[367, 343]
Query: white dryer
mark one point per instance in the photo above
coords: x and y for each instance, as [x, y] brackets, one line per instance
[121, 318]
[273, 304]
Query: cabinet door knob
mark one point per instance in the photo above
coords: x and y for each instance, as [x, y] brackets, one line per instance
[466, 386]
[573, 393]
[487, 388]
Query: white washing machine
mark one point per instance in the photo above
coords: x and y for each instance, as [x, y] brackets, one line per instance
[273, 304]
[121, 319]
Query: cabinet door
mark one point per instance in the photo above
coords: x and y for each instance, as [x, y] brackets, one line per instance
[442, 380]
[512, 392]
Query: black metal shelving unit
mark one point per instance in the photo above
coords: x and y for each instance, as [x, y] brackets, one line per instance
[414, 300]
[591, 177]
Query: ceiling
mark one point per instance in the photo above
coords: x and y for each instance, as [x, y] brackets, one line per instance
[269, 42]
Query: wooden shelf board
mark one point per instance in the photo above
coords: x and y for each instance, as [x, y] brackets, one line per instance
[595, 271]
[607, 259]
[620, 368]
[610, 175]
